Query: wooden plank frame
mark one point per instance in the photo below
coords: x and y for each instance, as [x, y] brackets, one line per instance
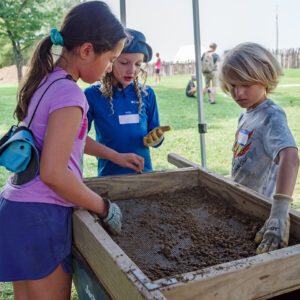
[258, 277]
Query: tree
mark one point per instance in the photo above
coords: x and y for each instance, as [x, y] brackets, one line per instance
[25, 21]
[6, 57]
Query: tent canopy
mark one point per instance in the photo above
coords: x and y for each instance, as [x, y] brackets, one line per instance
[186, 53]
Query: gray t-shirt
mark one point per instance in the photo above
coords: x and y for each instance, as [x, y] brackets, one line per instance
[189, 87]
[262, 133]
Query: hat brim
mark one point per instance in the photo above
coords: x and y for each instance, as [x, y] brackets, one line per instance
[139, 47]
[148, 57]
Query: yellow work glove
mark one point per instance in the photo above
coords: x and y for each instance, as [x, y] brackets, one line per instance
[155, 136]
[275, 232]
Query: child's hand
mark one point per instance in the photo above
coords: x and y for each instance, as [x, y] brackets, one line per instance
[155, 136]
[113, 221]
[130, 161]
[275, 232]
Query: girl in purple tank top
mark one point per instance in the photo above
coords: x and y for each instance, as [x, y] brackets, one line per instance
[36, 217]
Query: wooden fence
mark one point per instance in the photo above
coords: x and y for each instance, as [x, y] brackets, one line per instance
[171, 68]
[288, 58]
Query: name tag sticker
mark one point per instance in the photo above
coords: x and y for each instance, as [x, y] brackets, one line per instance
[243, 137]
[129, 119]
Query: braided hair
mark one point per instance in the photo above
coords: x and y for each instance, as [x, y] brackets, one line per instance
[106, 88]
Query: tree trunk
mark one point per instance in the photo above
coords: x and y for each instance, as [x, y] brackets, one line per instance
[18, 59]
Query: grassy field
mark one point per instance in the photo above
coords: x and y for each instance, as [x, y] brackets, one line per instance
[180, 112]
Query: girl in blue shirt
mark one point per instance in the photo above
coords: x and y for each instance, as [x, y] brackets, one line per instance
[125, 112]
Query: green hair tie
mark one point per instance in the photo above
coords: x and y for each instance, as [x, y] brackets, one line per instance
[56, 37]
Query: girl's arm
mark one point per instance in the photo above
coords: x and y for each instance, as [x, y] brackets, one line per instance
[62, 128]
[126, 160]
[287, 171]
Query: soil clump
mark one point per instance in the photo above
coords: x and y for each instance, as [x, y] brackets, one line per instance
[9, 75]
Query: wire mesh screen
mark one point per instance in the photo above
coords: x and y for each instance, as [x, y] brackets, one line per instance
[169, 234]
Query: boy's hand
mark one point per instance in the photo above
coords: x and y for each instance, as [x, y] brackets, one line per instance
[155, 136]
[275, 232]
[113, 221]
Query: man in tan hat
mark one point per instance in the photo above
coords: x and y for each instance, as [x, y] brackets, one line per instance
[210, 60]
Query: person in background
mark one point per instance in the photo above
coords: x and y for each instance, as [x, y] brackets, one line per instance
[157, 69]
[191, 89]
[125, 112]
[210, 60]
[36, 217]
[265, 155]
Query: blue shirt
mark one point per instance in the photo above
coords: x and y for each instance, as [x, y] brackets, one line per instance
[123, 128]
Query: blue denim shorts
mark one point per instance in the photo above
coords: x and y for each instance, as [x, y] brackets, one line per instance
[34, 239]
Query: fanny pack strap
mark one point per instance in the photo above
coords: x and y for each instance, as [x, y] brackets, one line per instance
[69, 77]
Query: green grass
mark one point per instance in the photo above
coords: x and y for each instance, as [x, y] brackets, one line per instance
[6, 292]
[181, 113]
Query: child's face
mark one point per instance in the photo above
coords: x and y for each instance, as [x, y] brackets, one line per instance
[127, 67]
[249, 96]
[98, 65]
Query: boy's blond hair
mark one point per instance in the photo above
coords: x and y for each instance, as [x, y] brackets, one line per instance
[248, 64]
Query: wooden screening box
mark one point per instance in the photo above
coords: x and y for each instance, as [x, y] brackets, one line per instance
[256, 277]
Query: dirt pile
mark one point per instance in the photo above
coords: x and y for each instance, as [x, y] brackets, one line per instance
[9, 75]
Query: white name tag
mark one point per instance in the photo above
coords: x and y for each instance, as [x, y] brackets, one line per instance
[129, 119]
[243, 137]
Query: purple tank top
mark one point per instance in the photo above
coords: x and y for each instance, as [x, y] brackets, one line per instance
[62, 93]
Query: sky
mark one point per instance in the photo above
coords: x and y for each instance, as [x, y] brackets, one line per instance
[168, 24]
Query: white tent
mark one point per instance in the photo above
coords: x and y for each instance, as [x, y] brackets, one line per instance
[186, 53]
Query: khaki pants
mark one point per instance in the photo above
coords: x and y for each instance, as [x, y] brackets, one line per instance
[211, 78]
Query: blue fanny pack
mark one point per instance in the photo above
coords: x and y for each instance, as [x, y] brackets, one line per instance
[16, 149]
[18, 152]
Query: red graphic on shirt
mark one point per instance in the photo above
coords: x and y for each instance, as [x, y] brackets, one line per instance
[83, 128]
[238, 150]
